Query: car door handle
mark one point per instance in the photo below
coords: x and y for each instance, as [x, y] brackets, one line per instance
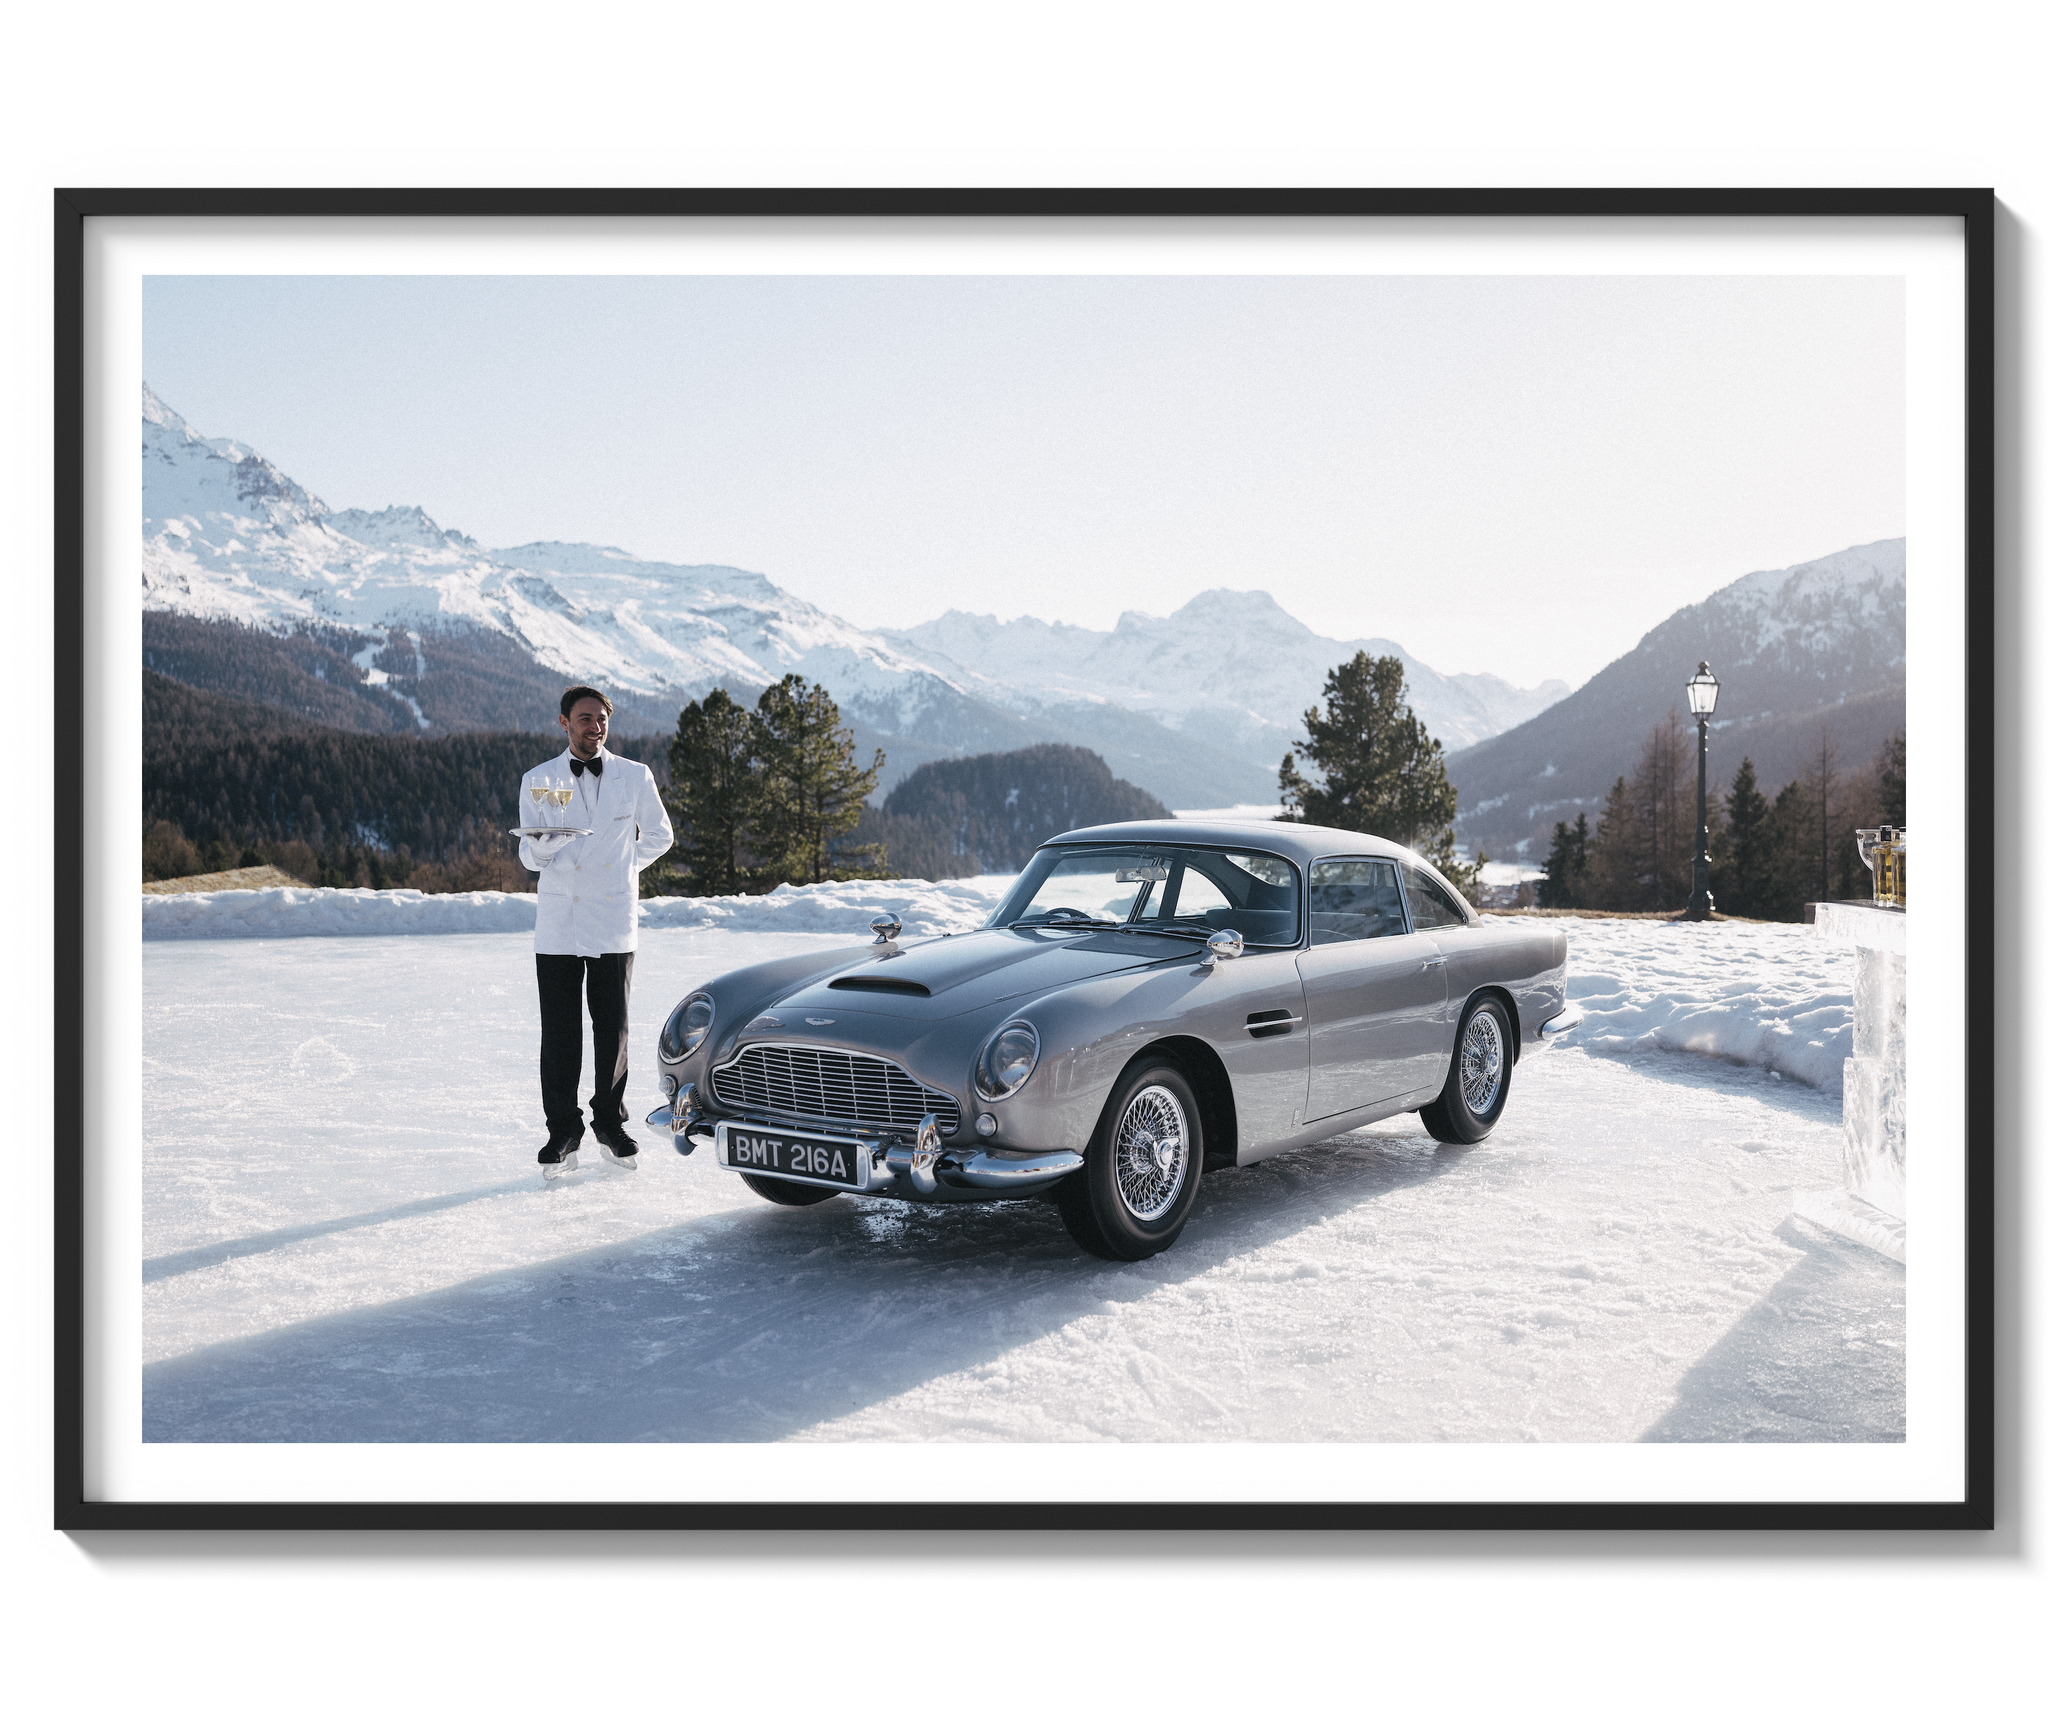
[1272, 1023]
[1434, 960]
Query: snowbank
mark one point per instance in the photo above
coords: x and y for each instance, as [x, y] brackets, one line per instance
[1773, 996]
[925, 908]
[331, 913]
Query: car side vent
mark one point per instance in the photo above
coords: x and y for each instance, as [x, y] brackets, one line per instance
[894, 986]
[1271, 1023]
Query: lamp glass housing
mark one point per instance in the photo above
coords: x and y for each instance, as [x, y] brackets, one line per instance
[1702, 690]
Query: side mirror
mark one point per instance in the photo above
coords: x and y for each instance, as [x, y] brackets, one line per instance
[887, 927]
[1223, 945]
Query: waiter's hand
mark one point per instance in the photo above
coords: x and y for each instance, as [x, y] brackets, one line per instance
[547, 846]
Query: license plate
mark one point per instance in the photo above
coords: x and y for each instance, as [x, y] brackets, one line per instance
[789, 1156]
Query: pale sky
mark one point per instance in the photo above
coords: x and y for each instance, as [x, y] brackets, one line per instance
[1510, 474]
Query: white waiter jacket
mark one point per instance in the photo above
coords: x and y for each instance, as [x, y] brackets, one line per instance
[590, 889]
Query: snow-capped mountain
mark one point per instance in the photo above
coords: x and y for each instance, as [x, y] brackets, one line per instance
[1197, 706]
[1824, 641]
[227, 535]
[1231, 667]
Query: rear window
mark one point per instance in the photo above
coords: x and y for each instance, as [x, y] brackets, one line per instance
[1431, 904]
[1353, 900]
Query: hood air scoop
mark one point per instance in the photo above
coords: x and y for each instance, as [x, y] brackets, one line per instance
[891, 986]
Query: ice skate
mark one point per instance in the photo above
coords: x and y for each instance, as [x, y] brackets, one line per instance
[558, 1158]
[617, 1147]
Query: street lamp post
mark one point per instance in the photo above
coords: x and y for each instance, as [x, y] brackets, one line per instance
[1700, 692]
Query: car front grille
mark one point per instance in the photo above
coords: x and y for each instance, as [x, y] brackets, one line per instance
[799, 1083]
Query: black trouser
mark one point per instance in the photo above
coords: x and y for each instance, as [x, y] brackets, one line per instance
[562, 978]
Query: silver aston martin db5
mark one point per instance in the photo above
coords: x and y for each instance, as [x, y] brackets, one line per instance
[1150, 1000]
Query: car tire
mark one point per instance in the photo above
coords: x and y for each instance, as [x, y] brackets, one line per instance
[788, 1192]
[1476, 1089]
[1133, 1192]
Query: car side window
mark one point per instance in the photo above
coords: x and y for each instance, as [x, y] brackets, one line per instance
[1434, 910]
[1351, 900]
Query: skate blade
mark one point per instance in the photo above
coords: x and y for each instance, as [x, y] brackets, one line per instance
[556, 1171]
[614, 1161]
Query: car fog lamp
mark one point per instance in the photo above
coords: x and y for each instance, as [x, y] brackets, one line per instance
[985, 1125]
[1007, 1062]
[686, 1028]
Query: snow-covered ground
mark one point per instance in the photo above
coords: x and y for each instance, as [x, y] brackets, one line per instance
[345, 1238]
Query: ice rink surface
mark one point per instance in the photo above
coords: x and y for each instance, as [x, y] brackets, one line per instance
[346, 1240]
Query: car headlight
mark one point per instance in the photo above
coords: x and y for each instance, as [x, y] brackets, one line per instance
[1007, 1060]
[687, 1027]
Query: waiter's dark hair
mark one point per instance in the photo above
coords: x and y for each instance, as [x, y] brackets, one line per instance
[576, 694]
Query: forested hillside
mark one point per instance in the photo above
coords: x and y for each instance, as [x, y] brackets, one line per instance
[1797, 649]
[990, 812]
[331, 806]
[229, 780]
[461, 680]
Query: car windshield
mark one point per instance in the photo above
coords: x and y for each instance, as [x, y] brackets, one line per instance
[1173, 890]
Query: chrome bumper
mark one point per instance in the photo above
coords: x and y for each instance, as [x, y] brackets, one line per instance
[922, 1167]
[918, 1169]
[1559, 1024]
[1016, 1175]
[683, 1116]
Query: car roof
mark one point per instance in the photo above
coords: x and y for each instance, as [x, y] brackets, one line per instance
[1298, 841]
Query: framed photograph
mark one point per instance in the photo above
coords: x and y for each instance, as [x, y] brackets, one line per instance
[1206, 858]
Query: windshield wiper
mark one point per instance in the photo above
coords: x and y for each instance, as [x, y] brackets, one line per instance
[1072, 919]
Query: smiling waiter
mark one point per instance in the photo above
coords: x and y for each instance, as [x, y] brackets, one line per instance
[588, 925]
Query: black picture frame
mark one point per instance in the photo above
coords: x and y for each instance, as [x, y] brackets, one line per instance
[75, 208]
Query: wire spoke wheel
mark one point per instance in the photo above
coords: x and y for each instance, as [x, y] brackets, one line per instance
[1151, 1152]
[1132, 1194]
[1481, 1056]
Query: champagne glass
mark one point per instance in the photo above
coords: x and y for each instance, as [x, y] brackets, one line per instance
[539, 792]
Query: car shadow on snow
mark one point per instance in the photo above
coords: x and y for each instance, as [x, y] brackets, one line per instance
[1821, 1359]
[739, 1326]
[269, 1240]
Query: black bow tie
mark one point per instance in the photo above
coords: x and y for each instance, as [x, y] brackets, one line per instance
[577, 766]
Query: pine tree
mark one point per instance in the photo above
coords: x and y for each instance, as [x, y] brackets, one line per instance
[1891, 780]
[1788, 855]
[1823, 783]
[1381, 773]
[1663, 812]
[1615, 857]
[1564, 873]
[1739, 884]
[715, 795]
[812, 785]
